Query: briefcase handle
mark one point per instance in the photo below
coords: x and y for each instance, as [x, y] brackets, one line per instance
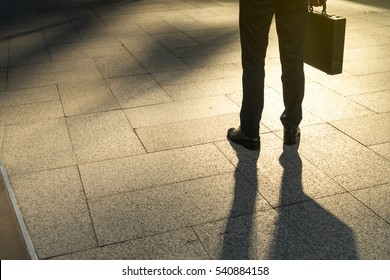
[323, 4]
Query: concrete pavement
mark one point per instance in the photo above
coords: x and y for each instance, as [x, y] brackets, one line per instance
[113, 120]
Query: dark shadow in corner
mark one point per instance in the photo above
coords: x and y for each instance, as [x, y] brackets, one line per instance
[326, 236]
[238, 231]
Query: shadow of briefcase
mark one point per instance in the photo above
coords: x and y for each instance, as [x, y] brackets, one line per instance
[324, 41]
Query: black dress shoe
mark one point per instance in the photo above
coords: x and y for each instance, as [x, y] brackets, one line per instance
[237, 136]
[291, 136]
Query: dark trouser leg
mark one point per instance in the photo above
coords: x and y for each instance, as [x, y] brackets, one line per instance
[290, 24]
[255, 21]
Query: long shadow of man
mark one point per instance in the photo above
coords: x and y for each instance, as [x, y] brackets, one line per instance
[326, 236]
[238, 231]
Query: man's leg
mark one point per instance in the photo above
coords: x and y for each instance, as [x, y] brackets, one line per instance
[255, 20]
[291, 23]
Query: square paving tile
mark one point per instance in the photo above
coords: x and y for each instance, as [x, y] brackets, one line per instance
[194, 75]
[180, 111]
[116, 65]
[262, 235]
[382, 149]
[187, 133]
[340, 227]
[31, 112]
[348, 162]
[159, 27]
[28, 55]
[46, 74]
[102, 136]
[52, 69]
[358, 38]
[176, 40]
[369, 66]
[366, 53]
[86, 97]
[153, 169]
[319, 99]
[159, 61]
[376, 198]
[182, 244]
[55, 211]
[207, 88]
[209, 60]
[359, 84]
[202, 51]
[75, 53]
[171, 207]
[35, 81]
[64, 36]
[369, 130]
[135, 91]
[376, 101]
[31, 95]
[28, 40]
[37, 146]
[140, 44]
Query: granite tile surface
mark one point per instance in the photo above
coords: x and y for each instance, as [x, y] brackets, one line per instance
[61, 53]
[182, 244]
[382, 149]
[359, 84]
[369, 66]
[135, 91]
[218, 58]
[180, 111]
[348, 162]
[31, 112]
[153, 169]
[222, 86]
[378, 101]
[197, 74]
[117, 66]
[139, 44]
[171, 207]
[31, 95]
[376, 198]
[55, 211]
[342, 107]
[28, 55]
[369, 130]
[159, 61]
[40, 145]
[86, 97]
[102, 136]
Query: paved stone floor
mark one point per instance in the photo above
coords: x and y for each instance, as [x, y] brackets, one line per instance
[113, 119]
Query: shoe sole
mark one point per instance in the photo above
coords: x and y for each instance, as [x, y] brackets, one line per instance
[246, 144]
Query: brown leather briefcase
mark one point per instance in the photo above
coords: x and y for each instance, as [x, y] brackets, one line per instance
[324, 41]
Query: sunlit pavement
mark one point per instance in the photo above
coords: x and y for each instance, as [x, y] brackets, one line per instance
[113, 120]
